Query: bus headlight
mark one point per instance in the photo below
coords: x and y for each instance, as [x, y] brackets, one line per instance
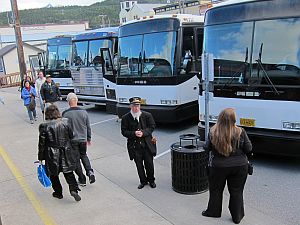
[291, 125]
[212, 118]
[168, 102]
[123, 100]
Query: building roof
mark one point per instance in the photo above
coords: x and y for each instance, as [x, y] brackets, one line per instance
[147, 7]
[8, 48]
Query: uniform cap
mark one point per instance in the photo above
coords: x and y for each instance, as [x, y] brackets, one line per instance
[135, 100]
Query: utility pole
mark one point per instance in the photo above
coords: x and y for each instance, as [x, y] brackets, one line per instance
[19, 42]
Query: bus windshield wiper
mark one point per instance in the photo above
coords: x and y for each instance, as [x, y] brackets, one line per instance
[259, 63]
[243, 66]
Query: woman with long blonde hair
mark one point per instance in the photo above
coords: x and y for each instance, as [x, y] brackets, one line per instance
[228, 145]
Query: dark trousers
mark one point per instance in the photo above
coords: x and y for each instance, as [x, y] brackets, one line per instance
[70, 178]
[236, 178]
[144, 160]
[81, 149]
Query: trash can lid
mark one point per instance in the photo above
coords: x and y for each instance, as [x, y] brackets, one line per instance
[188, 148]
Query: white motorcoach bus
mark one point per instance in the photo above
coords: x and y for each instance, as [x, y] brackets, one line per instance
[159, 60]
[256, 50]
[58, 60]
[92, 68]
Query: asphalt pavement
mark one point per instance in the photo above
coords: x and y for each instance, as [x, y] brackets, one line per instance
[272, 194]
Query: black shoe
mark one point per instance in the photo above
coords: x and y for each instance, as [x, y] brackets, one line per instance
[92, 177]
[81, 183]
[205, 213]
[152, 184]
[236, 221]
[57, 195]
[76, 196]
[141, 186]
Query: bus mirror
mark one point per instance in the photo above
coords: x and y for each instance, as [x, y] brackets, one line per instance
[116, 62]
[187, 61]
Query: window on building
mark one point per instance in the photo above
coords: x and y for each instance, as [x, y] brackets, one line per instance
[122, 5]
[124, 20]
[1, 66]
[127, 5]
[135, 17]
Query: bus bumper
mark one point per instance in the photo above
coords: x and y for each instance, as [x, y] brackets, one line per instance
[285, 143]
[165, 114]
[97, 100]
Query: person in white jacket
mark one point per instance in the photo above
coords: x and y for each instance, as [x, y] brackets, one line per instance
[38, 84]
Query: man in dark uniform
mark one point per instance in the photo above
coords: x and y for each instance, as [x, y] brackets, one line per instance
[137, 126]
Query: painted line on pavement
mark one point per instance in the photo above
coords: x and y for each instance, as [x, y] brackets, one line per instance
[163, 153]
[104, 121]
[41, 211]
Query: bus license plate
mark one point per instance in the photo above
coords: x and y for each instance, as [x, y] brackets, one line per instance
[247, 122]
[143, 101]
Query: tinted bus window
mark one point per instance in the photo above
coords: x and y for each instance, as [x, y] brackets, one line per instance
[159, 54]
[230, 45]
[283, 66]
[80, 53]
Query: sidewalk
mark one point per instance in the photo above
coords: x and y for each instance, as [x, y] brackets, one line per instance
[113, 199]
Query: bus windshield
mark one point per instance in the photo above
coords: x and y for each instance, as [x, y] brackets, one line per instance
[148, 55]
[88, 53]
[274, 56]
[270, 37]
[59, 56]
[229, 44]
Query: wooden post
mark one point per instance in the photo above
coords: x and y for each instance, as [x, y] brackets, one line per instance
[19, 42]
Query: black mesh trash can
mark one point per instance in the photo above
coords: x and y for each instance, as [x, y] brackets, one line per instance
[189, 165]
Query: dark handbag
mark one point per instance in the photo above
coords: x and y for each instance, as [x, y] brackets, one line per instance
[250, 168]
[32, 103]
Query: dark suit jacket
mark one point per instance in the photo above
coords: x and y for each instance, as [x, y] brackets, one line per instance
[128, 128]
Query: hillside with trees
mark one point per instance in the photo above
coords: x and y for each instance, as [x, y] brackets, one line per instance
[93, 13]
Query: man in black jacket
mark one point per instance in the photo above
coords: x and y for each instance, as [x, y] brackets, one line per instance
[137, 126]
[50, 91]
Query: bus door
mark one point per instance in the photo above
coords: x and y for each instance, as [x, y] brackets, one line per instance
[109, 80]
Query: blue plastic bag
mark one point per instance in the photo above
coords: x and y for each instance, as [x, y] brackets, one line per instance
[42, 176]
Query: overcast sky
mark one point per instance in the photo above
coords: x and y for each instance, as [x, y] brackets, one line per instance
[28, 4]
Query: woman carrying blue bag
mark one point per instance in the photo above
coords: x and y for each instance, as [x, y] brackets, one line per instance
[28, 96]
[55, 148]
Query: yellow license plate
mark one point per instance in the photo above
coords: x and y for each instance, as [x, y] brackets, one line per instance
[247, 122]
[143, 101]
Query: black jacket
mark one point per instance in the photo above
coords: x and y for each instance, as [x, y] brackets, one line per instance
[55, 146]
[237, 158]
[50, 93]
[128, 128]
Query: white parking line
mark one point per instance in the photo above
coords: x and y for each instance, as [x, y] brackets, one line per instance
[103, 121]
[163, 153]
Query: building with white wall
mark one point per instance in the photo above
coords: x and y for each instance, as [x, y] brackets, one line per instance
[9, 58]
[195, 7]
[135, 10]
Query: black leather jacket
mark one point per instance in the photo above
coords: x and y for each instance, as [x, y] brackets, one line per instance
[55, 146]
